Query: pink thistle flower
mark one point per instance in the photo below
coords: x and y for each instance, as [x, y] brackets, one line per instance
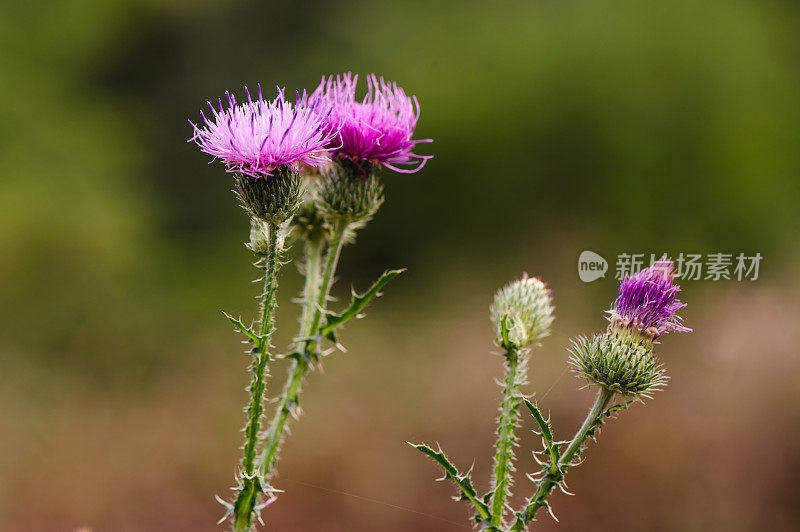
[256, 137]
[377, 129]
[647, 302]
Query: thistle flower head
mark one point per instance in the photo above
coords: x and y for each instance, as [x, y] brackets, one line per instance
[377, 129]
[525, 308]
[258, 136]
[618, 365]
[647, 303]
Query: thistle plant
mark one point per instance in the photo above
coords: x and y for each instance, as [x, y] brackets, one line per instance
[303, 172]
[620, 363]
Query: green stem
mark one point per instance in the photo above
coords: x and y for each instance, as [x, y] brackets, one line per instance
[313, 309]
[556, 471]
[331, 261]
[509, 418]
[250, 486]
[311, 289]
[589, 425]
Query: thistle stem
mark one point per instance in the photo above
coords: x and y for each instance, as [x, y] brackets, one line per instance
[604, 397]
[250, 486]
[507, 422]
[331, 261]
[313, 249]
[556, 471]
[314, 304]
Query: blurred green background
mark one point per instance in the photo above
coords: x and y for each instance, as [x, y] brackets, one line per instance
[631, 126]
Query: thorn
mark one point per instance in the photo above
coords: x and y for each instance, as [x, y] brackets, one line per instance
[550, 511]
[564, 491]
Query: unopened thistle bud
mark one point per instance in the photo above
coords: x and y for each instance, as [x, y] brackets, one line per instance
[259, 237]
[309, 223]
[621, 359]
[349, 192]
[527, 307]
[273, 199]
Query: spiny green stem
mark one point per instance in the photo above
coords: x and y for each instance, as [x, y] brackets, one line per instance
[250, 487]
[589, 425]
[313, 307]
[555, 474]
[331, 261]
[509, 418]
[287, 403]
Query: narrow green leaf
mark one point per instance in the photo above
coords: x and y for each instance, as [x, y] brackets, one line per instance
[242, 328]
[357, 304]
[464, 482]
[544, 426]
[504, 330]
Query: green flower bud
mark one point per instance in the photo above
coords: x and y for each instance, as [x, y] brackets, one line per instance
[527, 306]
[273, 199]
[618, 364]
[259, 237]
[309, 223]
[349, 192]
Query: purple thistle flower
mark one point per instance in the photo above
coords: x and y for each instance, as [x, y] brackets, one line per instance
[257, 136]
[647, 302]
[377, 129]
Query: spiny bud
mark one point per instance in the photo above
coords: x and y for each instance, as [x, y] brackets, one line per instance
[273, 198]
[349, 192]
[309, 223]
[259, 236]
[527, 306]
[618, 364]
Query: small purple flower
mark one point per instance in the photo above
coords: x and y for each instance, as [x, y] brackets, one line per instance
[647, 302]
[257, 136]
[377, 129]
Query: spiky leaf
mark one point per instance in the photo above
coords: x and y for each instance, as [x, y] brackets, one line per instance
[357, 304]
[242, 328]
[463, 482]
[547, 433]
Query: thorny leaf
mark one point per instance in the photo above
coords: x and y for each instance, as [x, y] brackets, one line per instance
[357, 304]
[463, 482]
[547, 433]
[242, 328]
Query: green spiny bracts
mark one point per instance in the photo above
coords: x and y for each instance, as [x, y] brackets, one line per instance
[274, 198]
[527, 303]
[618, 363]
[350, 193]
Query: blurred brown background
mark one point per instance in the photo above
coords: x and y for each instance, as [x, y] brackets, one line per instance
[633, 126]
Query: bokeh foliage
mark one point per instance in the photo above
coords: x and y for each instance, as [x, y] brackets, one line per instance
[632, 125]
